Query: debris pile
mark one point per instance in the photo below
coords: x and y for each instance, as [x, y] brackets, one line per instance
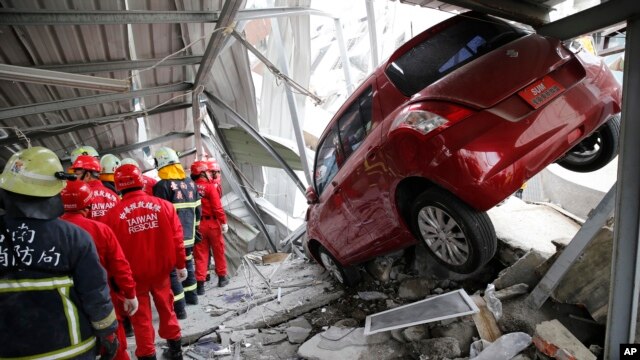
[279, 306]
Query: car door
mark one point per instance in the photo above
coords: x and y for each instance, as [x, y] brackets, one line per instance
[332, 218]
[364, 184]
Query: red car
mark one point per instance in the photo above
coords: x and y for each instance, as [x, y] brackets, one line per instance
[453, 123]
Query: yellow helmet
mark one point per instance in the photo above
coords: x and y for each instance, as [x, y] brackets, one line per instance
[83, 150]
[32, 172]
[109, 163]
[166, 156]
[129, 161]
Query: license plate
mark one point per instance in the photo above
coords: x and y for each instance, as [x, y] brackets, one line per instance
[541, 92]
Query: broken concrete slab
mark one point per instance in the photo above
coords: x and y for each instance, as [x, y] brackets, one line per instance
[294, 304]
[437, 348]
[380, 268]
[273, 338]
[517, 226]
[555, 340]
[415, 288]
[415, 333]
[505, 347]
[512, 291]
[522, 271]
[463, 331]
[371, 295]
[341, 343]
[587, 280]
[297, 335]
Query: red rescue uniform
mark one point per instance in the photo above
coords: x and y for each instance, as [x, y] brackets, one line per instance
[149, 183]
[115, 263]
[103, 200]
[213, 217]
[150, 235]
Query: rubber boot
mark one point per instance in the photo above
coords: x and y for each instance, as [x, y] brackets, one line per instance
[128, 329]
[200, 288]
[174, 352]
[223, 281]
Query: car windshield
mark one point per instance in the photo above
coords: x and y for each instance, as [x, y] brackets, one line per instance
[448, 50]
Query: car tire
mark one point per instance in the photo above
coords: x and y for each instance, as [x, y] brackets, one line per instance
[459, 237]
[347, 276]
[595, 151]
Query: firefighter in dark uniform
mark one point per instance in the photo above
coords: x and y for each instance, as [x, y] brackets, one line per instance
[175, 187]
[54, 297]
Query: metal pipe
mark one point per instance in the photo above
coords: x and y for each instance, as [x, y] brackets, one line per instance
[373, 34]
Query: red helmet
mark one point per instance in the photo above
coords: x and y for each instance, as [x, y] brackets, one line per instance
[76, 195]
[213, 165]
[199, 167]
[86, 162]
[128, 176]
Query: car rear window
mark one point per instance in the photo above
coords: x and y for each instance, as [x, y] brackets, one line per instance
[449, 49]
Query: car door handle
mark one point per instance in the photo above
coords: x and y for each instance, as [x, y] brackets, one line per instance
[371, 153]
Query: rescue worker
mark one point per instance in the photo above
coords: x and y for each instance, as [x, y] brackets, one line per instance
[217, 175]
[212, 225]
[176, 188]
[108, 165]
[150, 235]
[82, 150]
[149, 182]
[76, 197]
[87, 169]
[54, 298]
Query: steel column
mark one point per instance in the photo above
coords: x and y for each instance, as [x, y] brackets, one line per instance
[227, 16]
[346, 64]
[373, 33]
[235, 182]
[625, 268]
[291, 101]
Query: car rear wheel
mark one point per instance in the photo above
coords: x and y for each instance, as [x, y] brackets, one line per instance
[459, 237]
[595, 151]
[347, 276]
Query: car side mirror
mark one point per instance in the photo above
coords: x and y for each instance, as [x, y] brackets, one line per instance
[311, 196]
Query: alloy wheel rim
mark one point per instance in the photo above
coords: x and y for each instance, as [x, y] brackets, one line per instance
[331, 266]
[442, 234]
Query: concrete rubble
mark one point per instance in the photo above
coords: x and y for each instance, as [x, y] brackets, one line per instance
[282, 307]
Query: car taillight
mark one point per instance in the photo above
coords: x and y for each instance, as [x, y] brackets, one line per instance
[426, 117]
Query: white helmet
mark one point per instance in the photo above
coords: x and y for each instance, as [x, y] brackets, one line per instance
[83, 150]
[129, 161]
[166, 156]
[109, 163]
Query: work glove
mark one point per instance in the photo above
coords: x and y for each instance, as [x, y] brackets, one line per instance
[108, 346]
[225, 228]
[182, 274]
[131, 306]
[198, 236]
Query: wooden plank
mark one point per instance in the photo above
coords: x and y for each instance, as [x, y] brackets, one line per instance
[485, 322]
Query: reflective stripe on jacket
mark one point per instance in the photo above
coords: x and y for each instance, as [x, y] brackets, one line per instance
[53, 292]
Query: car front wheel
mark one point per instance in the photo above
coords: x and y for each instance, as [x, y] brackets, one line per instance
[347, 276]
[459, 237]
[596, 150]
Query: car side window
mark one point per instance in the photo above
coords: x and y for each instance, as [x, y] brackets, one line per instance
[355, 123]
[329, 152]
